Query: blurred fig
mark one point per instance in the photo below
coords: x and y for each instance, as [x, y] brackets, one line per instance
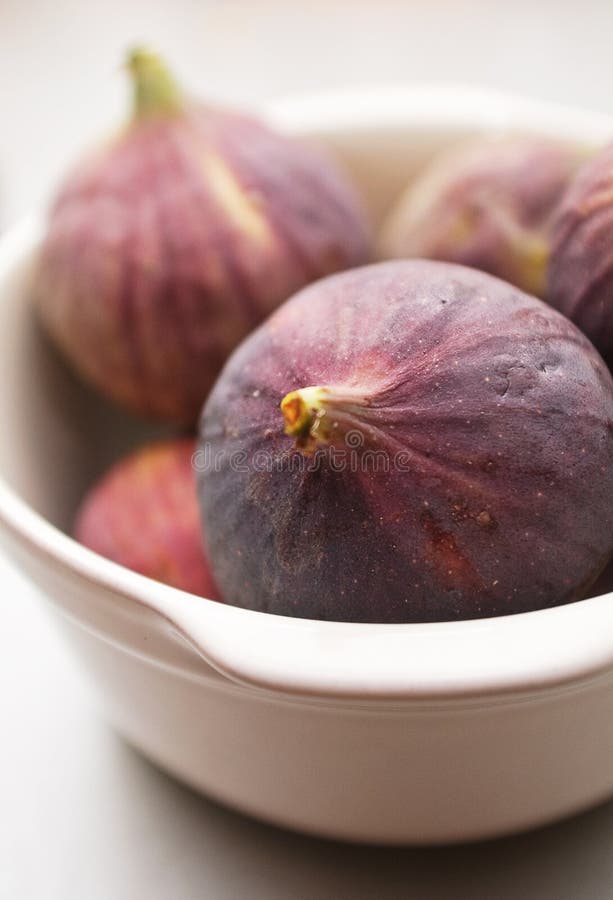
[581, 270]
[443, 450]
[486, 204]
[143, 514]
[171, 243]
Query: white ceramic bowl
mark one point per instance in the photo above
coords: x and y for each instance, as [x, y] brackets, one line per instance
[384, 733]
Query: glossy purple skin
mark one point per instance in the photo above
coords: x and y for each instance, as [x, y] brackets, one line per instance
[503, 411]
[172, 243]
[486, 204]
[581, 270]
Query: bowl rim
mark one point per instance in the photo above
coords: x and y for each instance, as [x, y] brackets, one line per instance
[526, 652]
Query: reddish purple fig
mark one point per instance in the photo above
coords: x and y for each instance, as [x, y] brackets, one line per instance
[143, 514]
[171, 243]
[486, 204]
[443, 450]
[581, 270]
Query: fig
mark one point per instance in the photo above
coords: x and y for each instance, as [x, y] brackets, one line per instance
[486, 204]
[604, 584]
[168, 245]
[143, 514]
[411, 441]
[580, 281]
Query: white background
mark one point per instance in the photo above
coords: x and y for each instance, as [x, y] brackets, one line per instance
[82, 817]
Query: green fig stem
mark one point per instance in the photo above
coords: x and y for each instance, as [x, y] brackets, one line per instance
[155, 90]
[304, 412]
[321, 415]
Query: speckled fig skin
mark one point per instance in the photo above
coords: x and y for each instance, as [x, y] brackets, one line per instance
[143, 514]
[495, 416]
[580, 280]
[486, 204]
[170, 244]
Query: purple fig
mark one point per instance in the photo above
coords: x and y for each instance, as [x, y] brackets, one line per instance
[487, 204]
[443, 450]
[168, 246]
[604, 584]
[143, 514]
[581, 270]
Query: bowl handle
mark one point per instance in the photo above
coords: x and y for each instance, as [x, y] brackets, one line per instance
[524, 653]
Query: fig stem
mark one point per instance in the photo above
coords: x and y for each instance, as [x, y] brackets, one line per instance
[155, 90]
[303, 410]
[321, 415]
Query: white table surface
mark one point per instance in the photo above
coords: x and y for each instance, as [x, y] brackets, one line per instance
[81, 815]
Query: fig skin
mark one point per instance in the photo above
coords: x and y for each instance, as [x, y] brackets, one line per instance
[143, 514]
[486, 204]
[170, 244]
[580, 281]
[493, 416]
[604, 584]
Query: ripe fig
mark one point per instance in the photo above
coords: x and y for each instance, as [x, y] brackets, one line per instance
[166, 247]
[580, 282]
[143, 514]
[486, 204]
[444, 450]
[604, 583]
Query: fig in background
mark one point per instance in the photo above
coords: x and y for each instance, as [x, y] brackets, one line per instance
[486, 204]
[168, 245]
[581, 270]
[143, 514]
